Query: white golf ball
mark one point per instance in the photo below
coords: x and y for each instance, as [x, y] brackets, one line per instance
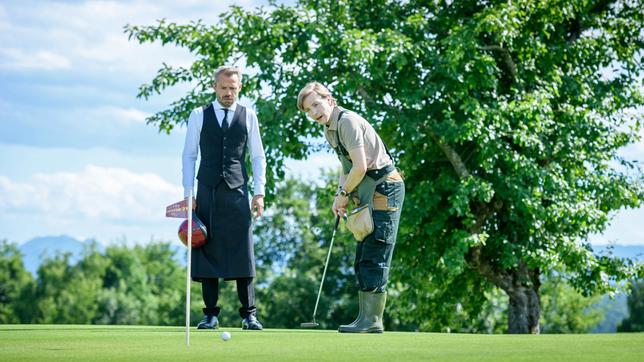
[225, 336]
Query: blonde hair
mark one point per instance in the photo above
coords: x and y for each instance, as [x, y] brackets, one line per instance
[313, 87]
[227, 70]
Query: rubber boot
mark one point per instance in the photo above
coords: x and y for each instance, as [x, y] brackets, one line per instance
[360, 312]
[373, 307]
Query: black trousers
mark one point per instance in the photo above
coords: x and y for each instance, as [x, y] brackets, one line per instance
[245, 292]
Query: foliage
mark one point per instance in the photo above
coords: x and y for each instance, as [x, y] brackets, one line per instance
[15, 281]
[123, 285]
[614, 309]
[635, 320]
[564, 310]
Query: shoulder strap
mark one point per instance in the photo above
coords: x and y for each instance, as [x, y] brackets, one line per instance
[387, 149]
[341, 148]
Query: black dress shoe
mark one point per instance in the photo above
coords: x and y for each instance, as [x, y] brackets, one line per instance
[251, 323]
[208, 322]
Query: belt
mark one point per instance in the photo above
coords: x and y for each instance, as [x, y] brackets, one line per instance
[378, 174]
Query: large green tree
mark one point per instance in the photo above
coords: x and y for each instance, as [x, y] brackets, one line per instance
[506, 117]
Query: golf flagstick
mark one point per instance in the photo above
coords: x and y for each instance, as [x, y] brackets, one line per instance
[189, 212]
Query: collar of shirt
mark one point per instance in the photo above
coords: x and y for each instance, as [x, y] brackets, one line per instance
[333, 119]
[219, 107]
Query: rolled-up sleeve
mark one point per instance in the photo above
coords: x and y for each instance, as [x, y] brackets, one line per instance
[191, 150]
[256, 149]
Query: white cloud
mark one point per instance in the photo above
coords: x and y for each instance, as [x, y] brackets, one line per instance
[100, 118]
[96, 194]
[119, 115]
[32, 179]
[107, 122]
[79, 125]
[20, 59]
[89, 35]
[624, 229]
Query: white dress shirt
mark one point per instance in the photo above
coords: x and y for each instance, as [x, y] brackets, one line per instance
[191, 147]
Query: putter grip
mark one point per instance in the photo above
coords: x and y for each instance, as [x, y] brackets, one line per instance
[337, 221]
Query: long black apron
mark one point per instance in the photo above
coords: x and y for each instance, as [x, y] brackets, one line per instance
[226, 213]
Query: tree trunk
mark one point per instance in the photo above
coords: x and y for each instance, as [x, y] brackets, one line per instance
[524, 307]
[521, 284]
[524, 310]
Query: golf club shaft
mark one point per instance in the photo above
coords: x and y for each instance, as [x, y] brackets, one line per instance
[326, 264]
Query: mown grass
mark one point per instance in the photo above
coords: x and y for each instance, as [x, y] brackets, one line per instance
[136, 343]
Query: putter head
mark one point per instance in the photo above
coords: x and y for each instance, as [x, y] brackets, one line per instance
[309, 325]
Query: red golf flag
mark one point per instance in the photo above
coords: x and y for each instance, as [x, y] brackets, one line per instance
[178, 209]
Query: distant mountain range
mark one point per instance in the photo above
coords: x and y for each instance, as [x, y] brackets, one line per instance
[36, 250]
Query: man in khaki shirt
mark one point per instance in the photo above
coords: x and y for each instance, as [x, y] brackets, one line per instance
[356, 132]
[370, 179]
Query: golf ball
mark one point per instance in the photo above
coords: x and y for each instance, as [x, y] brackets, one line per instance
[225, 336]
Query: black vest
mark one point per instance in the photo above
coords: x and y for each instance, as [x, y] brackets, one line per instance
[223, 154]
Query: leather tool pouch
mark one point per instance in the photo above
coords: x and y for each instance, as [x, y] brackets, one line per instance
[360, 222]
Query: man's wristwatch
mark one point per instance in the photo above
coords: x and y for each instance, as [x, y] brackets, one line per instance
[342, 192]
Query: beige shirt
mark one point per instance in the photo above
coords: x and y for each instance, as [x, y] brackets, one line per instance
[354, 132]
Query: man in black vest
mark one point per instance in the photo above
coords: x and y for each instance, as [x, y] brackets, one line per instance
[222, 131]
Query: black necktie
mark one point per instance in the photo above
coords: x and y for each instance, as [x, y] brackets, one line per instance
[224, 123]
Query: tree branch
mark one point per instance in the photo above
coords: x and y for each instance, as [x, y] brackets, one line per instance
[452, 156]
[498, 278]
[504, 62]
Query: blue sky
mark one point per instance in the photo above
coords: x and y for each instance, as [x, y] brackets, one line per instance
[76, 156]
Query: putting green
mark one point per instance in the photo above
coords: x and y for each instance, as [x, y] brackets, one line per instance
[137, 343]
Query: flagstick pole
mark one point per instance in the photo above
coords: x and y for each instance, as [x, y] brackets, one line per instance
[189, 269]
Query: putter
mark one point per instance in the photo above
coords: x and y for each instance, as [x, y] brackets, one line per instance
[313, 324]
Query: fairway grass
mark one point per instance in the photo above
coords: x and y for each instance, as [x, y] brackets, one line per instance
[139, 343]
